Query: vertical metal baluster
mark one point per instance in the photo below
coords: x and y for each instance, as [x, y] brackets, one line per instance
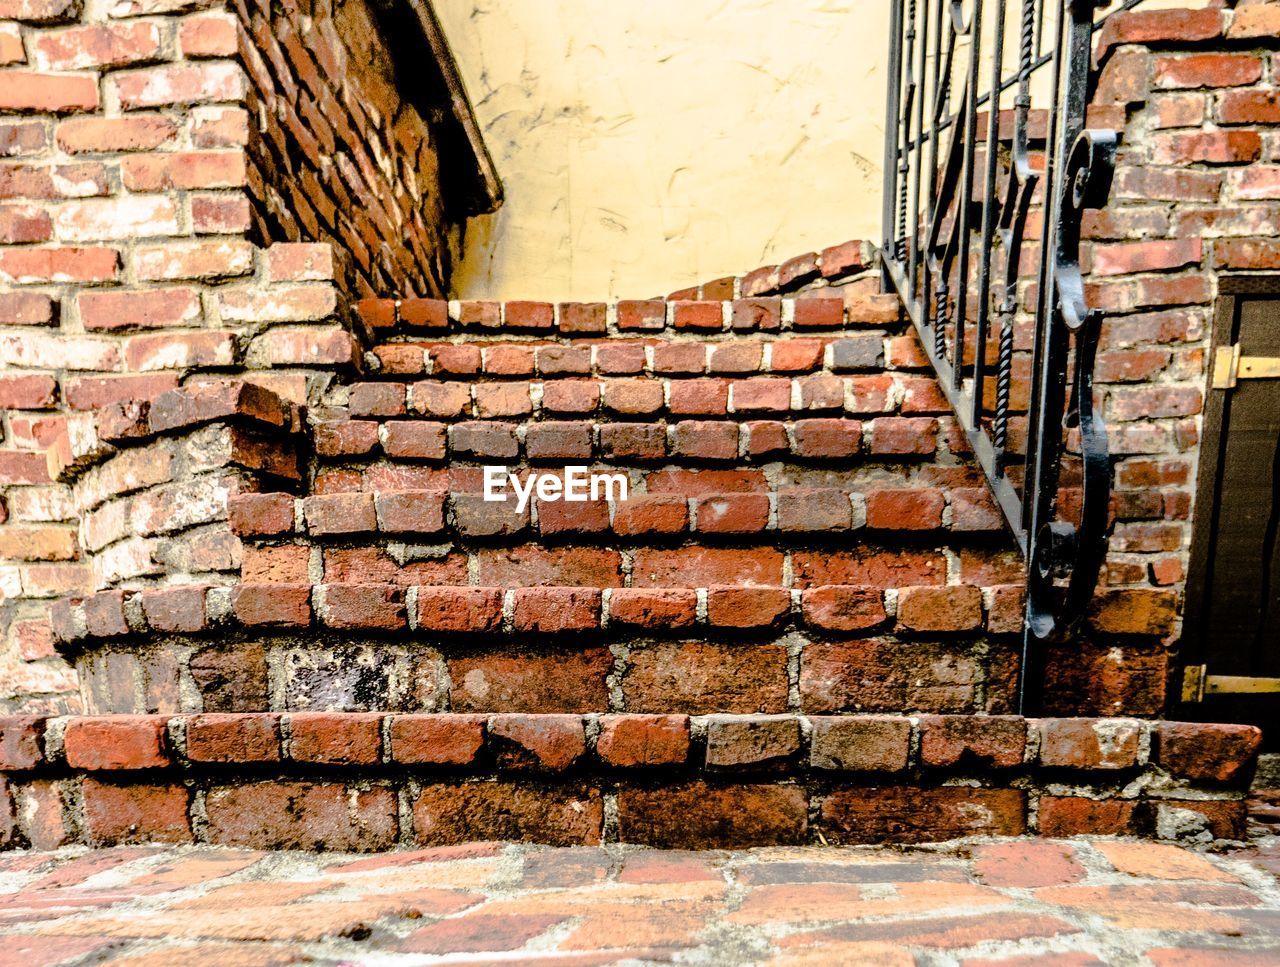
[891, 126]
[1044, 304]
[914, 243]
[963, 213]
[904, 122]
[1009, 309]
[988, 220]
[931, 170]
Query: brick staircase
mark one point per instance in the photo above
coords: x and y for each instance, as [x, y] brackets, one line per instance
[802, 624]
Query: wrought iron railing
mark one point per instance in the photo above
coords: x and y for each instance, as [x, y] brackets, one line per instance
[981, 243]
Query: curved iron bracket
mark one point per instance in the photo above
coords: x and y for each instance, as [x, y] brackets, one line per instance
[1061, 549]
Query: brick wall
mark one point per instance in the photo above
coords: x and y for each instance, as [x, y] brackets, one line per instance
[339, 154]
[1196, 197]
[130, 266]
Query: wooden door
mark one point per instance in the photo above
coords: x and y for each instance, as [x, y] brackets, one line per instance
[1231, 635]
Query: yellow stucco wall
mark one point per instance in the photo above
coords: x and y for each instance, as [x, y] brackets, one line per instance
[646, 146]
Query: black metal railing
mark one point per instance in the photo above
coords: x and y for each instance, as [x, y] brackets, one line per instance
[983, 203]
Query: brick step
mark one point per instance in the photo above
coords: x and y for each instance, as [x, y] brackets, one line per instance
[840, 441]
[373, 781]
[876, 504]
[544, 610]
[858, 303]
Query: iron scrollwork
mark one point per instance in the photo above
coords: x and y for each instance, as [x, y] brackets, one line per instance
[949, 223]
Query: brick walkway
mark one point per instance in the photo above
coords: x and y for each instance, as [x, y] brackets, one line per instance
[1009, 902]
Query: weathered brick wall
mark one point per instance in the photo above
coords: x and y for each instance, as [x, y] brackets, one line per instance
[1196, 196]
[339, 153]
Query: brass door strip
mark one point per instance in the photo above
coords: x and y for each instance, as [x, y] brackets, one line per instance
[1229, 367]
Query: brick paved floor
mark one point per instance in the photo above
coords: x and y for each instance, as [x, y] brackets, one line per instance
[1006, 902]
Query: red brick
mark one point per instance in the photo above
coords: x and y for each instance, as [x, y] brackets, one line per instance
[756, 315]
[484, 440]
[376, 399]
[633, 396]
[1208, 147]
[545, 742]
[344, 439]
[558, 441]
[733, 513]
[176, 609]
[698, 315]
[1208, 752]
[956, 608]
[796, 355]
[529, 315]
[1078, 816]
[752, 741]
[860, 743]
[827, 438]
[447, 813]
[134, 813]
[503, 681]
[261, 514]
[705, 566]
[989, 741]
[1207, 70]
[233, 737]
[330, 738]
[116, 742]
[733, 607]
[1254, 20]
[904, 509]
[1141, 611]
[147, 309]
[825, 312]
[24, 90]
[279, 605]
[109, 135]
[1080, 743]
[627, 741]
[843, 608]
[699, 397]
[104, 614]
[766, 437]
[583, 317]
[901, 435]
[458, 609]
[410, 512]
[619, 359]
[441, 399]
[28, 392]
[563, 517]
[21, 742]
[473, 516]
[912, 815]
[557, 610]
[328, 514]
[761, 394]
[180, 84]
[705, 439]
[699, 816]
[651, 514]
[736, 357]
[369, 607]
[23, 224]
[442, 739]
[654, 609]
[210, 34]
[302, 815]
[641, 315]
[700, 677]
